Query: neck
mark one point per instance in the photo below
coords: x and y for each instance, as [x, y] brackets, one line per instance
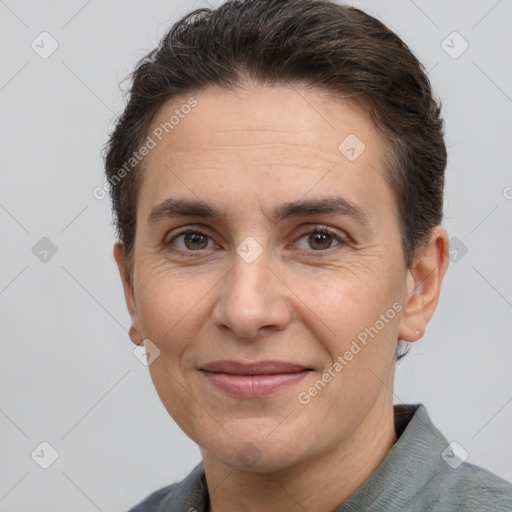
[318, 484]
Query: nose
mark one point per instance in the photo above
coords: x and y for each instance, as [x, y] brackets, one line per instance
[253, 300]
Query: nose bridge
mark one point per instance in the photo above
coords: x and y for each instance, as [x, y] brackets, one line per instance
[250, 275]
[252, 297]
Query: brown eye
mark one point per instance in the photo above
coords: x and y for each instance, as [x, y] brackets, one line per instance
[190, 240]
[195, 241]
[319, 239]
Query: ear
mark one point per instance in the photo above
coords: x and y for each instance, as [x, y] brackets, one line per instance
[424, 285]
[135, 328]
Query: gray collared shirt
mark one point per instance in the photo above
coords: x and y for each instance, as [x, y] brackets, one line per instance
[421, 473]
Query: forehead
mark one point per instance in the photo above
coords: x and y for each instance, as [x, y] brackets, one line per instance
[269, 113]
[255, 138]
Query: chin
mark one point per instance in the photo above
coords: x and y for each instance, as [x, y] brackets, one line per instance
[256, 461]
[262, 453]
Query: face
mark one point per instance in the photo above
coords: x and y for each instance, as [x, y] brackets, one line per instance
[267, 232]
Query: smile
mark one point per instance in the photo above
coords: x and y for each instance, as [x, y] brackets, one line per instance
[255, 379]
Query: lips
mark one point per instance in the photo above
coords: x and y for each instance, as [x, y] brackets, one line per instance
[253, 380]
[260, 368]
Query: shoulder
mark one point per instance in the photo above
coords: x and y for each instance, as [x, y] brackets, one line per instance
[189, 494]
[155, 499]
[432, 477]
[469, 488]
[480, 490]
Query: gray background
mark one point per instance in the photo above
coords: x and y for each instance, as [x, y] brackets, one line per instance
[68, 373]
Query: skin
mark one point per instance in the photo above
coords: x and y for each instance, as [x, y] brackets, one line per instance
[301, 301]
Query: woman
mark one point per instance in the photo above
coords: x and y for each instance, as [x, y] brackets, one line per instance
[277, 182]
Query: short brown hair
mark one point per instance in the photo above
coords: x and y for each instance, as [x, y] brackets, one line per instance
[318, 43]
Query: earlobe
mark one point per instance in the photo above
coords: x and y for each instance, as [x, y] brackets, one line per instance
[135, 332]
[424, 285]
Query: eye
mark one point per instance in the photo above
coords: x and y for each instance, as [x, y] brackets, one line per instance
[191, 240]
[320, 238]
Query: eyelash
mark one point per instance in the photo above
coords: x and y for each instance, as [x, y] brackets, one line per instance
[315, 229]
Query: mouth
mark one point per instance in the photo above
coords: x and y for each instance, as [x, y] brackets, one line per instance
[253, 380]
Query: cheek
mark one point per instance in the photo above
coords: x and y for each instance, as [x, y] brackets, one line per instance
[170, 309]
[348, 298]
[354, 314]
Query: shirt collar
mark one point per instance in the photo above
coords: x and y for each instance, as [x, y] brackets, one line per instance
[411, 463]
[416, 454]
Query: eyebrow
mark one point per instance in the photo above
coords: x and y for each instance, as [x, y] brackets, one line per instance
[329, 205]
